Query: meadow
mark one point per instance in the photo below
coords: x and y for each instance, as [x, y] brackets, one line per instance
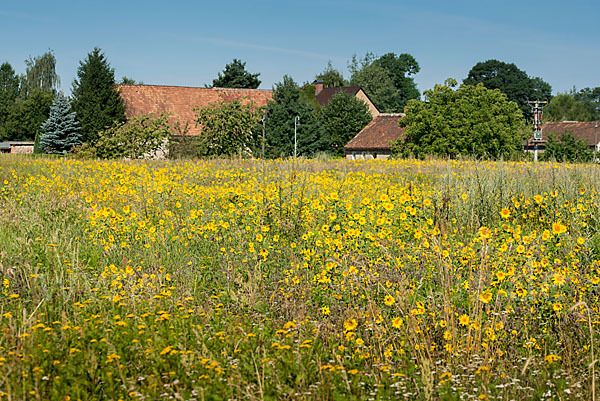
[285, 280]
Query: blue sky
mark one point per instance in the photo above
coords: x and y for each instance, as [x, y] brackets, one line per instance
[188, 43]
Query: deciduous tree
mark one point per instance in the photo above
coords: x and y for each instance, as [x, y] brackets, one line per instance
[564, 107]
[566, 148]
[378, 85]
[40, 75]
[142, 136]
[472, 120]
[387, 80]
[511, 81]
[228, 128]
[401, 68]
[27, 116]
[331, 77]
[590, 97]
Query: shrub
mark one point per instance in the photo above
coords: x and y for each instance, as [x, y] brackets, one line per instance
[143, 136]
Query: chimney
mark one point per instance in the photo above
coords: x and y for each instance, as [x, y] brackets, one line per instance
[318, 86]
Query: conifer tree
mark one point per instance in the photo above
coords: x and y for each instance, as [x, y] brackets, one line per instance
[61, 130]
[95, 99]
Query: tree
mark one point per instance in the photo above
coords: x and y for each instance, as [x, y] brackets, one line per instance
[228, 127]
[95, 100]
[400, 68]
[27, 116]
[564, 107]
[129, 81]
[511, 81]
[387, 79]
[331, 77]
[61, 131]
[144, 135]
[286, 105]
[9, 90]
[235, 76]
[40, 74]
[566, 148]
[590, 97]
[472, 120]
[343, 118]
[378, 85]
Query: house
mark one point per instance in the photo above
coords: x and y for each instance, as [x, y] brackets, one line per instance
[323, 95]
[22, 147]
[179, 101]
[373, 141]
[587, 131]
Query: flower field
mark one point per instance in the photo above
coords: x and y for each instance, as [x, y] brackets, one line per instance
[281, 280]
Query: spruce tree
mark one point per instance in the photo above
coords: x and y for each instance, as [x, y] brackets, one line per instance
[61, 130]
[95, 99]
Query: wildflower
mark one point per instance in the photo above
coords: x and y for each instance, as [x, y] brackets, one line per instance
[505, 213]
[325, 310]
[558, 228]
[397, 322]
[389, 300]
[350, 324]
[464, 320]
[485, 297]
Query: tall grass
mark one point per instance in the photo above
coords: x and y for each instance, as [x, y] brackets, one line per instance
[298, 279]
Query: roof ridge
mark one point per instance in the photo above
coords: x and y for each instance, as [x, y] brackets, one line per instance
[192, 87]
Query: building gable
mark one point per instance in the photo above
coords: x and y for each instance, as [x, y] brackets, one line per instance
[323, 96]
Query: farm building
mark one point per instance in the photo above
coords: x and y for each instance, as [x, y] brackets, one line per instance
[373, 141]
[179, 101]
[587, 131]
[323, 95]
[16, 147]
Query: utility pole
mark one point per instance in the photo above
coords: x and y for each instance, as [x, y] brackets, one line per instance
[595, 140]
[537, 109]
[296, 124]
[263, 139]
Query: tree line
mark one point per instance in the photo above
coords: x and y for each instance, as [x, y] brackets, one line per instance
[485, 116]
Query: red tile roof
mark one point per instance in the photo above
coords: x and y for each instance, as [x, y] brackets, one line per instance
[584, 130]
[378, 134]
[326, 94]
[179, 101]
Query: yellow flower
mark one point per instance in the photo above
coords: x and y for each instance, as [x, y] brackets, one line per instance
[389, 300]
[485, 297]
[397, 322]
[350, 324]
[505, 213]
[464, 320]
[325, 310]
[558, 228]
